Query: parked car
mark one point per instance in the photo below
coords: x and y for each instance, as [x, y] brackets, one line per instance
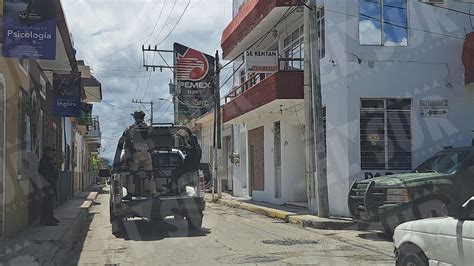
[179, 195]
[447, 177]
[438, 241]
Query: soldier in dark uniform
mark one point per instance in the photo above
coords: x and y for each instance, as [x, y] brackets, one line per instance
[47, 169]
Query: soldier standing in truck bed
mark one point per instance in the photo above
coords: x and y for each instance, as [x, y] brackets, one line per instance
[136, 140]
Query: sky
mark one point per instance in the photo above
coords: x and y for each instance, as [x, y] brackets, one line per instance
[109, 34]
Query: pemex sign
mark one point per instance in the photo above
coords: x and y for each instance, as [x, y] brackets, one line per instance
[195, 77]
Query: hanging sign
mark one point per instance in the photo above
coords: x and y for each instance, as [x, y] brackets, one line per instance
[67, 95]
[29, 29]
[195, 78]
[261, 61]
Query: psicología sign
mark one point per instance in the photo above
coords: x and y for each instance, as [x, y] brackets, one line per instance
[29, 29]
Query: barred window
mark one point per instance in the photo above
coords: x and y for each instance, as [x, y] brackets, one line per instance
[385, 134]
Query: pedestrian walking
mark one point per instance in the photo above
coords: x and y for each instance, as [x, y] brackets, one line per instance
[49, 173]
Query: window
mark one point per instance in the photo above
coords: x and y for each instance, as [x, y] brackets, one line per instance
[321, 24]
[383, 22]
[385, 134]
[25, 64]
[293, 48]
[42, 88]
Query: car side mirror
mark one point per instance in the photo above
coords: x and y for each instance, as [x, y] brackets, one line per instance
[104, 173]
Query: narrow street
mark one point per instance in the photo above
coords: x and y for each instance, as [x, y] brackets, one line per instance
[229, 236]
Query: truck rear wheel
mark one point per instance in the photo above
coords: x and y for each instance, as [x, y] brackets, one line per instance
[194, 221]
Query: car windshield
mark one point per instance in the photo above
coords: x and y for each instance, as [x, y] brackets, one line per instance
[443, 163]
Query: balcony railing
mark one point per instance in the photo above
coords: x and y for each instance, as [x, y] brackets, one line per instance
[93, 128]
[284, 64]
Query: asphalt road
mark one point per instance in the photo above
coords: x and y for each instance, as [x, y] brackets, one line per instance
[229, 236]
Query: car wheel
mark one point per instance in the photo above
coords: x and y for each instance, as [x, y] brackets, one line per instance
[194, 221]
[411, 255]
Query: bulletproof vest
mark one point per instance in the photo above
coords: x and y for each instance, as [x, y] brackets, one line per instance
[139, 135]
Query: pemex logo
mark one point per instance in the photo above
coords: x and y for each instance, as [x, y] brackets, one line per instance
[192, 65]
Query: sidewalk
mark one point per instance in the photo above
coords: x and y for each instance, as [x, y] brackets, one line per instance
[298, 216]
[39, 244]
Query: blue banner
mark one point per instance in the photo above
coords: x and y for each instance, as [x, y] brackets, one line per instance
[67, 95]
[29, 29]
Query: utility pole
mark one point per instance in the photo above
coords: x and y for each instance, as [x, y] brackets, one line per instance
[308, 114]
[321, 169]
[217, 95]
[150, 103]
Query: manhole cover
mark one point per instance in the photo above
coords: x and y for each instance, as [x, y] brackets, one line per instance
[290, 242]
[256, 259]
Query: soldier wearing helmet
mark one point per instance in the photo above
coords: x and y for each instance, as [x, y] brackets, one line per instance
[136, 140]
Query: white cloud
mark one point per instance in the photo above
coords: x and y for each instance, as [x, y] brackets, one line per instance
[104, 27]
[369, 34]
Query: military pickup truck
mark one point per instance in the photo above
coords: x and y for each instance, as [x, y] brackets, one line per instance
[179, 185]
[447, 177]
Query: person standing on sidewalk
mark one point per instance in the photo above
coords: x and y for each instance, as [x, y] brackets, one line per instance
[48, 171]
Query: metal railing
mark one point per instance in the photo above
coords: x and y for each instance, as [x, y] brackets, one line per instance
[284, 64]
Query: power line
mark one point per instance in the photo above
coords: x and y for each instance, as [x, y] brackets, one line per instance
[166, 21]
[177, 22]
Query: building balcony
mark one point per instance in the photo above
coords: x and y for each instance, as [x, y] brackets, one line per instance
[263, 94]
[92, 132]
[254, 19]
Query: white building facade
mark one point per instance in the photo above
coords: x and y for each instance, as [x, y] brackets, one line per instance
[393, 87]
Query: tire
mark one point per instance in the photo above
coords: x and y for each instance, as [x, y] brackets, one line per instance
[194, 221]
[388, 226]
[411, 255]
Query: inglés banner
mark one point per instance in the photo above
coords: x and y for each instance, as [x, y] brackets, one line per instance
[195, 77]
[67, 95]
[29, 29]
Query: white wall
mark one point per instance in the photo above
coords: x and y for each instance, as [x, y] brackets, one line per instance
[293, 177]
[429, 68]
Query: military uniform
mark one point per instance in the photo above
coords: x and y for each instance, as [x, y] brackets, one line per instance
[136, 141]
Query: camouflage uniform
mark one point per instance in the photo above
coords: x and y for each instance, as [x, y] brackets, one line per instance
[141, 157]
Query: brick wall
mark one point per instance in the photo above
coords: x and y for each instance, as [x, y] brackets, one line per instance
[257, 158]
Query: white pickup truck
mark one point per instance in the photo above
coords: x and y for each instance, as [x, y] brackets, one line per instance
[438, 241]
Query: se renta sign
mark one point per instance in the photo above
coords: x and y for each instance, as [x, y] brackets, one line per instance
[67, 95]
[261, 61]
[29, 29]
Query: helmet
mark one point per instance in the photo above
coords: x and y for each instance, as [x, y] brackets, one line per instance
[139, 115]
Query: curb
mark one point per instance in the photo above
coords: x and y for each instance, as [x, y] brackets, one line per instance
[310, 221]
[69, 237]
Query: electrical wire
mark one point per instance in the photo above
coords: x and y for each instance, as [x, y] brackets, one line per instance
[125, 48]
[177, 22]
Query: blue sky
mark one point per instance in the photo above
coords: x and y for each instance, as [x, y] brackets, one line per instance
[108, 35]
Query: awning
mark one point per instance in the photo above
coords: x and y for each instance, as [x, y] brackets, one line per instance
[468, 57]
